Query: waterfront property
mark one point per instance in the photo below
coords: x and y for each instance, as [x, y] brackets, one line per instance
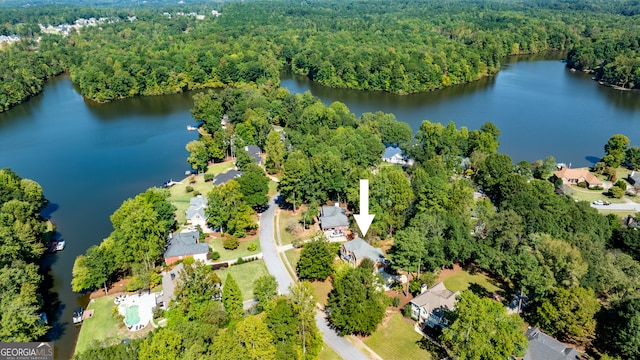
[224, 177]
[358, 249]
[169, 282]
[544, 347]
[185, 245]
[195, 212]
[137, 310]
[575, 176]
[429, 307]
[394, 155]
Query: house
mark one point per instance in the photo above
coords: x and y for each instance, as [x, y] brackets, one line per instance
[544, 347]
[333, 218]
[356, 250]
[254, 152]
[634, 179]
[184, 245]
[224, 177]
[169, 281]
[394, 155]
[574, 176]
[195, 212]
[429, 307]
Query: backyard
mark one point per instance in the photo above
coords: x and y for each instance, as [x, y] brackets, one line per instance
[460, 280]
[396, 339]
[241, 251]
[245, 275]
[104, 328]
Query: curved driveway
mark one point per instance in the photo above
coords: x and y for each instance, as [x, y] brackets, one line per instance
[276, 268]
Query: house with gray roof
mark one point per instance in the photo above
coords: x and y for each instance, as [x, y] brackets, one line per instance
[358, 249]
[394, 155]
[254, 151]
[169, 282]
[184, 245]
[634, 179]
[195, 212]
[333, 218]
[429, 307]
[224, 177]
[544, 347]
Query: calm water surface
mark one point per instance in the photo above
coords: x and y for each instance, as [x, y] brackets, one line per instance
[540, 107]
[89, 158]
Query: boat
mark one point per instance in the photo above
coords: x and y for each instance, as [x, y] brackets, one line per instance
[77, 315]
[60, 245]
[53, 246]
[191, 128]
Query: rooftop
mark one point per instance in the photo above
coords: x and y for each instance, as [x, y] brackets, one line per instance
[436, 297]
[568, 173]
[185, 243]
[361, 249]
[169, 281]
[254, 152]
[224, 177]
[544, 347]
[196, 207]
[391, 151]
[333, 216]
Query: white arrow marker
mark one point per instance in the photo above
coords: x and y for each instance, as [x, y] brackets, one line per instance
[364, 219]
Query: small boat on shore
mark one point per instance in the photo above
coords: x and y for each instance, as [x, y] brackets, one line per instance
[60, 245]
[77, 315]
[191, 128]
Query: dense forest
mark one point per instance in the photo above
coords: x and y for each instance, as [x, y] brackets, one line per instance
[398, 47]
[22, 231]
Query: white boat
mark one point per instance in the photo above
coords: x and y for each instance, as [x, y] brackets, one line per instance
[77, 315]
[191, 128]
[60, 245]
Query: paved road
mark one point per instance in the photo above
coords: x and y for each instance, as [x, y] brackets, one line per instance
[276, 268]
[618, 207]
[270, 250]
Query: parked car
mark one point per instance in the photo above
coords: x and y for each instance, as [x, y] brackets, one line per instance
[606, 203]
[598, 202]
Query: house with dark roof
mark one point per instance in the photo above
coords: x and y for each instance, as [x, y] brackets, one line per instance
[544, 347]
[333, 218]
[394, 155]
[429, 307]
[184, 245]
[634, 179]
[254, 152]
[169, 282]
[574, 176]
[195, 212]
[358, 249]
[224, 177]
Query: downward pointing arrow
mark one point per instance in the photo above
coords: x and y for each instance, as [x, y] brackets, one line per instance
[363, 219]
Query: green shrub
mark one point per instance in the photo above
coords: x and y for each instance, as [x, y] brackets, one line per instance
[583, 184]
[230, 243]
[621, 184]
[597, 187]
[196, 193]
[252, 247]
[395, 302]
[155, 278]
[213, 255]
[135, 284]
[208, 177]
[616, 192]
[158, 313]
[240, 261]
[188, 261]
[406, 310]
[189, 189]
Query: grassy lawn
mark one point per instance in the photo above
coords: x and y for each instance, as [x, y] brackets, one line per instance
[396, 339]
[179, 195]
[462, 280]
[588, 195]
[245, 275]
[322, 289]
[241, 251]
[328, 354]
[273, 188]
[293, 255]
[284, 218]
[103, 328]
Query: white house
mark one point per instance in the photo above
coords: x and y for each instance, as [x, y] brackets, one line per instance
[195, 212]
[429, 307]
[394, 155]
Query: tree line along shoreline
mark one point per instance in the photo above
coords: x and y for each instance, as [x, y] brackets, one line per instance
[382, 46]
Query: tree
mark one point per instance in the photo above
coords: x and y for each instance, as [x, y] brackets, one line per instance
[198, 155]
[619, 331]
[254, 335]
[197, 286]
[569, 315]
[481, 329]
[315, 261]
[632, 157]
[265, 289]
[283, 324]
[493, 172]
[303, 303]
[296, 171]
[164, 343]
[391, 195]
[616, 191]
[254, 186]
[615, 150]
[275, 152]
[242, 158]
[356, 304]
[232, 298]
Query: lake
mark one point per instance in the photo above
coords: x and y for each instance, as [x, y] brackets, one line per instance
[90, 157]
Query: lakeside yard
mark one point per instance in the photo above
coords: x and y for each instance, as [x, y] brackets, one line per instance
[461, 279]
[396, 339]
[241, 251]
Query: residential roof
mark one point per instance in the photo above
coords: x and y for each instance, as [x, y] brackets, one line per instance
[544, 347]
[185, 243]
[635, 177]
[361, 249]
[255, 152]
[196, 207]
[229, 175]
[391, 151]
[333, 216]
[436, 297]
[169, 280]
[581, 173]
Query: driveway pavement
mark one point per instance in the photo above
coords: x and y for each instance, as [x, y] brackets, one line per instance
[618, 207]
[276, 268]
